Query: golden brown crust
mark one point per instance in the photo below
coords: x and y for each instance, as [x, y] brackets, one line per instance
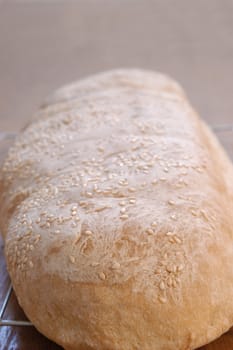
[117, 216]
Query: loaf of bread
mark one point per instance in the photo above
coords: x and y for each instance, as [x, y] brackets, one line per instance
[117, 215]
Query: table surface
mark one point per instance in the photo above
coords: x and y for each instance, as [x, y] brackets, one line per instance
[47, 43]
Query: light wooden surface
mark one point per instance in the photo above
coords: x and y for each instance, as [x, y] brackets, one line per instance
[44, 44]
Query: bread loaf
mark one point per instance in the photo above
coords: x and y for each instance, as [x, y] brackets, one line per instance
[117, 216]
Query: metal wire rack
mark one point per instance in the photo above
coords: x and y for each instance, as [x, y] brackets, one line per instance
[2, 311]
[221, 128]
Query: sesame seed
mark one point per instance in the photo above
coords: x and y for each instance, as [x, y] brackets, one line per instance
[37, 238]
[177, 239]
[124, 216]
[162, 285]
[88, 233]
[169, 268]
[174, 283]
[77, 238]
[132, 189]
[169, 281]
[132, 201]
[123, 210]
[72, 259]
[169, 233]
[115, 265]
[163, 179]
[123, 182]
[180, 267]
[30, 264]
[203, 213]
[122, 203]
[83, 204]
[154, 224]
[100, 149]
[150, 231]
[162, 299]
[154, 182]
[94, 264]
[102, 276]
[171, 202]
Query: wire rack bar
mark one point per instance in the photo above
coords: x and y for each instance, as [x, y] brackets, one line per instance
[5, 302]
[7, 135]
[222, 128]
[15, 323]
[3, 309]
[3, 322]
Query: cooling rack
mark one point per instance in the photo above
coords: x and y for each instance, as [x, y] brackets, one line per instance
[218, 129]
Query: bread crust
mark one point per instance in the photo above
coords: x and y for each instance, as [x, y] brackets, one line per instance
[116, 210]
